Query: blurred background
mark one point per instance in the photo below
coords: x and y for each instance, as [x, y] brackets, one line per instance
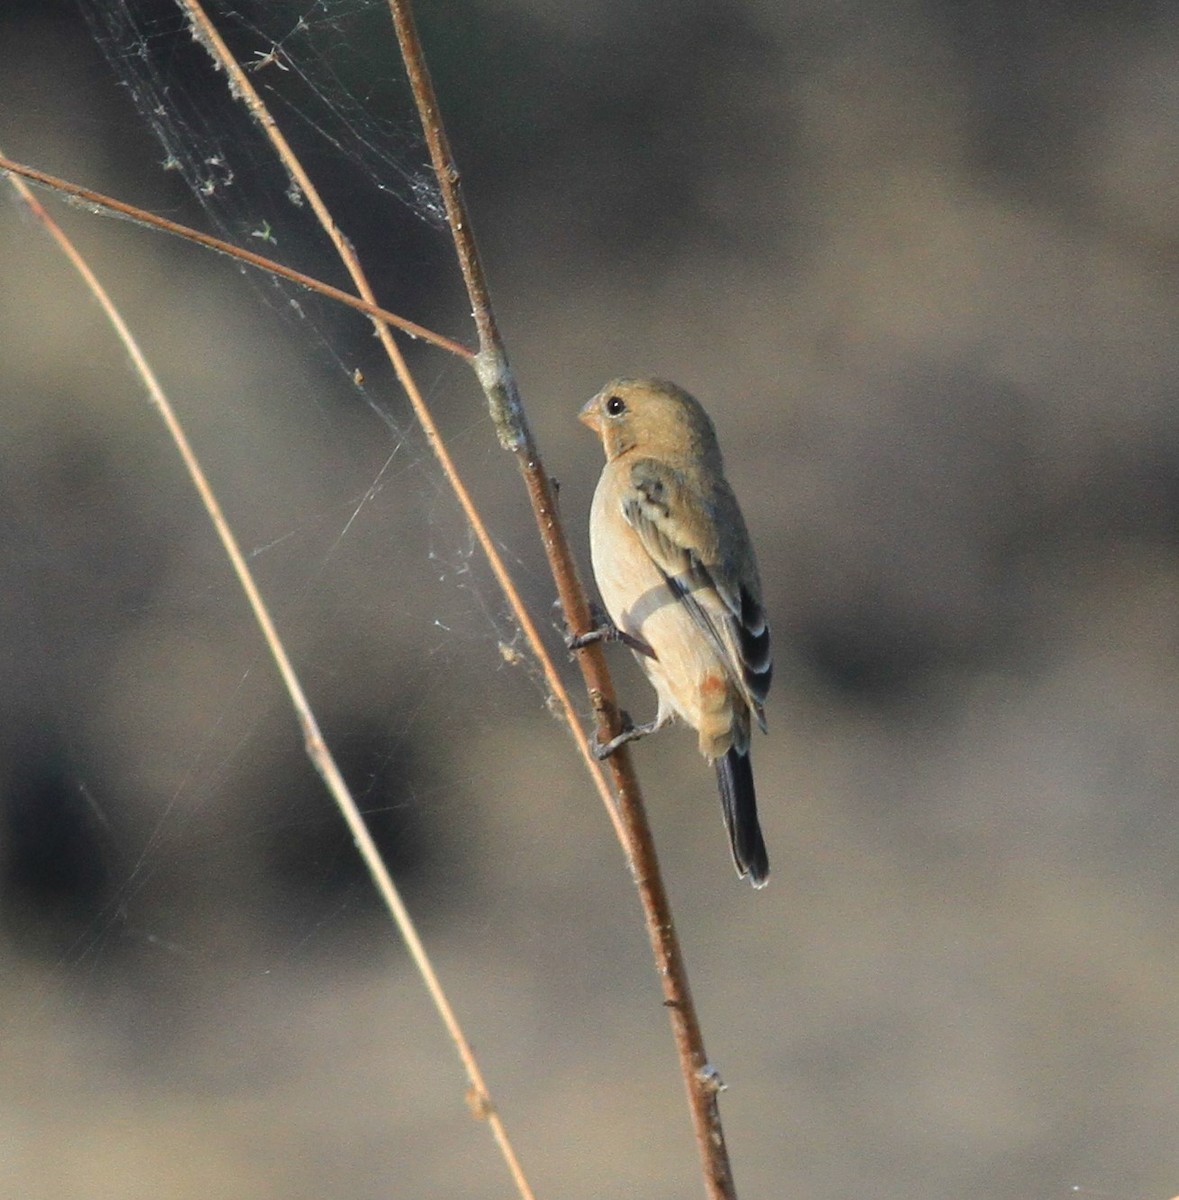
[921, 265]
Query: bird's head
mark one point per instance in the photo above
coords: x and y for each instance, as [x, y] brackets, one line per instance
[651, 416]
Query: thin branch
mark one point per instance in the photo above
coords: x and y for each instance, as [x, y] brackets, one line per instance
[316, 746]
[507, 411]
[242, 88]
[97, 202]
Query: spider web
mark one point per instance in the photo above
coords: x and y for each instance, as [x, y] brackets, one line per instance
[306, 59]
[329, 73]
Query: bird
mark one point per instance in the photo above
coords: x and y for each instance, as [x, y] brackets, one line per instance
[676, 571]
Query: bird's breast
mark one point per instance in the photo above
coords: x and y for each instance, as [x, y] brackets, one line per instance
[687, 671]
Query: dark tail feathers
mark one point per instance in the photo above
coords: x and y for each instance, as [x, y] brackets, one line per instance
[734, 775]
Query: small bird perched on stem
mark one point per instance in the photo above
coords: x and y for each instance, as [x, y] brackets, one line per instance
[676, 570]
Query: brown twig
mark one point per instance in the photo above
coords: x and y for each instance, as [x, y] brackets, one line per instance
[317, 748]
[507, 412]
[241, 87]
[97, 202]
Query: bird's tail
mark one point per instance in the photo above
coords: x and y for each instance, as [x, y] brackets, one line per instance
[734, 775]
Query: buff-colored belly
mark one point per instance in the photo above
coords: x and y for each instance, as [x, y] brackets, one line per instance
[687, 672]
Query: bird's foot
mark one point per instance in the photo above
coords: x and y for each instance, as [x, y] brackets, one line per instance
[605, 630]
[630, 733]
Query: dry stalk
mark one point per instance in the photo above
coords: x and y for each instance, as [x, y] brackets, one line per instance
[97, 202]
[241, 86]
[317, 748]
[508, 415]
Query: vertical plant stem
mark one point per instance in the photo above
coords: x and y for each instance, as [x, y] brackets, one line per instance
[507, 413]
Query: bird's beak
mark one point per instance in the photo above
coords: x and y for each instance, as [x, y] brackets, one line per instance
[591, 416]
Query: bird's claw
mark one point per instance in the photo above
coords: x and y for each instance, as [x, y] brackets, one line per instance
[630, 733]
[605, 630]
[600, 634]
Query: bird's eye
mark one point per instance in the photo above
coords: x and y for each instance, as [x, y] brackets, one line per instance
[615, 406]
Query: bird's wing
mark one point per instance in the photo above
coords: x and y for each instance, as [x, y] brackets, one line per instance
[684, 531]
